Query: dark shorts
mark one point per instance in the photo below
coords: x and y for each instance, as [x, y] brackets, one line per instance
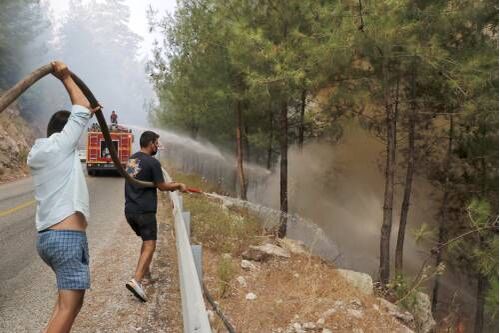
[67, 253]
[143, 224]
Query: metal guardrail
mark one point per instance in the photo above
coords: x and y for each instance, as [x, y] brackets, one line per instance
[194, 314]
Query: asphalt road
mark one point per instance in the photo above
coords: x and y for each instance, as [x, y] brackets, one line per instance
[27, 285]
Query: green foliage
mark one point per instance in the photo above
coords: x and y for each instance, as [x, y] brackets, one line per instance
[352, 59]
[492, 299]
[221, 229]
[423, 233]
[22, 21]
[225, 272]
[403, 291]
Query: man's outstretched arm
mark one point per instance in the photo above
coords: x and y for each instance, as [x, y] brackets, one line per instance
[76, 95]
[171, 186]
[80, 113]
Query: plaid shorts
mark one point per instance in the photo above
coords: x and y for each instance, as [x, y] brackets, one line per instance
[67, 253]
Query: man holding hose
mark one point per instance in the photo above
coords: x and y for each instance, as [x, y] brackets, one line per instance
[63, 203]
[141, 203]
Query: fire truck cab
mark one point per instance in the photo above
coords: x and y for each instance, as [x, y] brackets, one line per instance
[98, 154]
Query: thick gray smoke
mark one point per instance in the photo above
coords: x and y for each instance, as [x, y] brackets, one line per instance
[338, 188]
[95, 40]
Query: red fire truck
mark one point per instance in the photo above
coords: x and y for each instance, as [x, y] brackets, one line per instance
[98, 155]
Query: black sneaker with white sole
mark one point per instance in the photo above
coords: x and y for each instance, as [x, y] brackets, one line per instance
[136, 289]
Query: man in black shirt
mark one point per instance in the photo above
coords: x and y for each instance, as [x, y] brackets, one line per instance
[141, 203]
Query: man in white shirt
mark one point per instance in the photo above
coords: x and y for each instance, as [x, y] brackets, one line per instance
[63, 203]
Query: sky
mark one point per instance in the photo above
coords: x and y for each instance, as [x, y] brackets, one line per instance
[138, 22]
[107, 86]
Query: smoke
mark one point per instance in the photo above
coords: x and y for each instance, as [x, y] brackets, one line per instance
[341, 189]
[338, 188]
[95, 40]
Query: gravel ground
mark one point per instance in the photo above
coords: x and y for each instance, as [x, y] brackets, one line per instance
[110, 307]
[27, 285]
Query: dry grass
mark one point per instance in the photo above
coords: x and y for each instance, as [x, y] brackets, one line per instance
[223, 230]
[299, 289]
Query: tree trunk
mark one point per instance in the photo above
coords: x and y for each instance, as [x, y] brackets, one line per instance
[246, 142]
[443, 215]
[284, 154]
[385, 232]
[283, 168]
[270, 141]
[410, 169]
[482, 284]
[302, 113]
[239, 151]
[482, 281]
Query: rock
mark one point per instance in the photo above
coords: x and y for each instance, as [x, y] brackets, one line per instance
[247, 265]
[326, 330]
[392, 309]
[263, 252]
[328, 313]
[339, 304]
[297, 327]
[251, 297]
[295, 275]
[355, 313]
[309, 326]
[226, 256]
[294, 246]
[361, 281]
[422, 312]
[241, 280]
[355, 304]
[320, 322]
[211, 316]
[404, 329]
[358, 330]
[255, 255]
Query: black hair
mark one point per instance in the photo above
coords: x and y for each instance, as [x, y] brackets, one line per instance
[148, 137]
[57, 122]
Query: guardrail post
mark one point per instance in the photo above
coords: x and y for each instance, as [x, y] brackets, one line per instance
[181, 203]
[198, 260]
[186, 216]
[194, 313]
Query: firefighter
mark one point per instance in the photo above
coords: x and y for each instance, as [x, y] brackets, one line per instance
[114, 118]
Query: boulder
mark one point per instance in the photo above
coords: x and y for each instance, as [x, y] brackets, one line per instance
[247, 265]
[265, 251]
[361, 281]
[294, 246]
[392, 309]
[422, 312]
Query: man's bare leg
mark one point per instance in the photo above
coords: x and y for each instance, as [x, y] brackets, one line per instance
[54, 312]
[68, 305]
[147, 250]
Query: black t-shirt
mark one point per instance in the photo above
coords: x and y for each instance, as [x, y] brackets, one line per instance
[140, 200]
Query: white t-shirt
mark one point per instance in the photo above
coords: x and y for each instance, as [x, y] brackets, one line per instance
[60, 187]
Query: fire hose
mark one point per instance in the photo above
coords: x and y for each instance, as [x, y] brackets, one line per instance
[13, 93]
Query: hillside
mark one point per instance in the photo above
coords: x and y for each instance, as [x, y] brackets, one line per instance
[16, 138]
[264, 284]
